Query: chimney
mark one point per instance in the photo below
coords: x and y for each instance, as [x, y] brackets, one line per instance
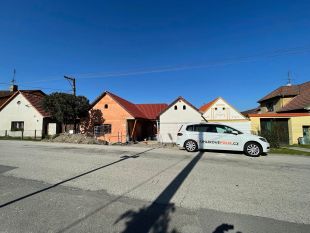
[13, 88]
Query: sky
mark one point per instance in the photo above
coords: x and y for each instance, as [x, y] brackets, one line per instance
[154, 51]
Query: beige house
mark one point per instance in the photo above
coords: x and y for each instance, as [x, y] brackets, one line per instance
[179, 112]
[219, 110]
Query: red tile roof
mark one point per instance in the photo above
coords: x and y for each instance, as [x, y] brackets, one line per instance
[151, 111]
[206, 107]
[279, 114]
[4, 96]
[35, 98]
[301, 101]
[142, 111]
[283, 91]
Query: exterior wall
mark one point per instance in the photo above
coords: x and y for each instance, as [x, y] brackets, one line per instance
[171, 121]
[277, 104]
[221, 110]
[224, 113]
[115, 115]
[24, 111]
[295, 125]
[255, 125]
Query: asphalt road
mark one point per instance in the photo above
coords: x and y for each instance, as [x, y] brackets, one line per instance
[85, 188]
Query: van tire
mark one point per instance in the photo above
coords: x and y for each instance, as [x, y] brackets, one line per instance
[253, 149]
[190, 145]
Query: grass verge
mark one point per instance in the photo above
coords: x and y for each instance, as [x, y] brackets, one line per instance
[287, 151]
[302, 146]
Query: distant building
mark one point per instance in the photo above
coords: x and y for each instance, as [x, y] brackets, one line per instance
[219, 110]
[286, 109]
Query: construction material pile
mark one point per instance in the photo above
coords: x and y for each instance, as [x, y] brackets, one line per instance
[75, 138]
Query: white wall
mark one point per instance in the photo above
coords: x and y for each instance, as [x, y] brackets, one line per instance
[221, 110]
[224, 113]
[171, 121]
[23, 111]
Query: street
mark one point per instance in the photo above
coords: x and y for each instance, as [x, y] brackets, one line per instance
[54, 187]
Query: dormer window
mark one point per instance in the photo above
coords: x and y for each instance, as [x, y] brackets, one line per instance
[269, 107]
[184, 107]
[106, 106]
[175, 107]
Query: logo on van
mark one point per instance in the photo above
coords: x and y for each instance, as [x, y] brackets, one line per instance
[220, 142]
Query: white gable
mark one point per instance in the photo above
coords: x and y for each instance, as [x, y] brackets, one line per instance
[221, 110]
[180, 112]
[171, 120]
[20, 109]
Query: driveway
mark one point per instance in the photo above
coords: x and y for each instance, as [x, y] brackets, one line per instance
[49, 187]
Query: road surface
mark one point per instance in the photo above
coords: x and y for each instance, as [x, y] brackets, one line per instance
[49, 187]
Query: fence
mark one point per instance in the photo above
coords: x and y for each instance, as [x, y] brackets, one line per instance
[21, 134]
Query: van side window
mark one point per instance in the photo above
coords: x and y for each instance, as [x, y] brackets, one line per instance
[190, 128]
[211, 129]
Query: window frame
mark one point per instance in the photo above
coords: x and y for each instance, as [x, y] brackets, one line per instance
[17, 125]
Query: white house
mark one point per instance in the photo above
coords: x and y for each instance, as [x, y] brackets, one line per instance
[220, 111]
[22, 113]
[177, 113]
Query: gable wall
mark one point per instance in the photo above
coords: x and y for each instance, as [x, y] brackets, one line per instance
[221, 110]
[171, 121]
[24, 111]
[115, 115]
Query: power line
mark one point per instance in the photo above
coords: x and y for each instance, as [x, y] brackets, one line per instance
[241, 59]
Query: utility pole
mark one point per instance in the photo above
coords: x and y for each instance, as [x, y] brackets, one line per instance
[72, 83]
[71, 80]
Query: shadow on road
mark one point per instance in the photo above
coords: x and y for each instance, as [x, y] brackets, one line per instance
[224, 228]
[123, 158]
[156, 217]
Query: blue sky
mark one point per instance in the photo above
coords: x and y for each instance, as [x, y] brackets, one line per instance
[196, 49]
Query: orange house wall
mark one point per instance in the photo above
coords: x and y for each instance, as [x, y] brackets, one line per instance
[116, 116]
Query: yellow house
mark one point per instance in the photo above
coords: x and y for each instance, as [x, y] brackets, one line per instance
[284, 111]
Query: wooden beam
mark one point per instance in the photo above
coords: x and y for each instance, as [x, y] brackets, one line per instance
[134, 127]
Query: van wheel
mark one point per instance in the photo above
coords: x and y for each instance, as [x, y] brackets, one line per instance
[253, 149]
[191, 146]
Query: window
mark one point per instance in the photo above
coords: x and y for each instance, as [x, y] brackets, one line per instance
[269, 107]
[106, 106]
[17, 126]
[184, 107]
[102, 129]
[225, 129]
[190, 128]
[224, 109]
[107, 128]
[197, 128]
[215, 109]
[175, 107]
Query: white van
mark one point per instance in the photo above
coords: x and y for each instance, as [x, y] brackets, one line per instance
[216, 136]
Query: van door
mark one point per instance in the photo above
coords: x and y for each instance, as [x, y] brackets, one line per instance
[226, 139]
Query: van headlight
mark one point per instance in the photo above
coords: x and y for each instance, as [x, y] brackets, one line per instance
[263, 139]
